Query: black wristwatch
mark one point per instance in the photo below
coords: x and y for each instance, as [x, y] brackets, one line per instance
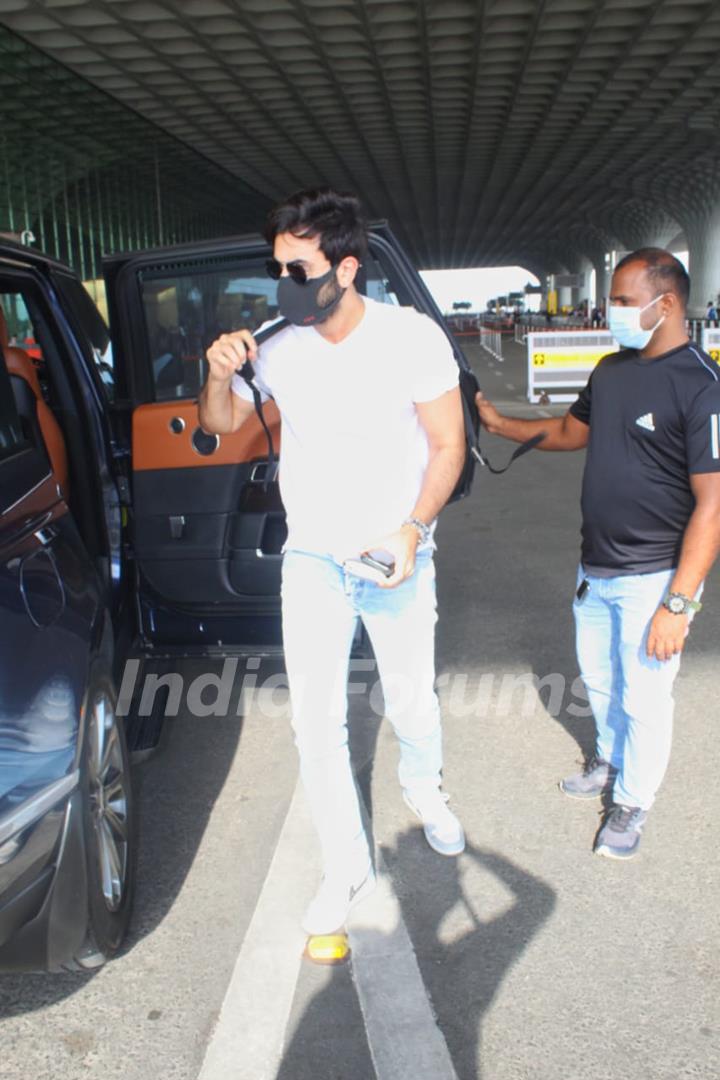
[679, 604]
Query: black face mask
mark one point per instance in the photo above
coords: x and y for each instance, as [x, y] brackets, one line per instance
[300, 304]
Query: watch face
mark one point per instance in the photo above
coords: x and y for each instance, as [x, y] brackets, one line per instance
[676, 605]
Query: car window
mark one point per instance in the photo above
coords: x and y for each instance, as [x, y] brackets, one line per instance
[187, 308]
[186, 311]
[377, 285]
[20, 329]
[84, 311]
[14, 435]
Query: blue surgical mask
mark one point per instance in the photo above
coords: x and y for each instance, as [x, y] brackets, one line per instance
[624, 325]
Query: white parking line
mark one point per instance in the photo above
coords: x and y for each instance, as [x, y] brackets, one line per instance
[403, 1036]
[247, 1043]
[402, 1033]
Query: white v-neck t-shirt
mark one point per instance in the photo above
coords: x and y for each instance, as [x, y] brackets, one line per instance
[353, 453]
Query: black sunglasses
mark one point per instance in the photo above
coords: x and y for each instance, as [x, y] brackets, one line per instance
[295, 269]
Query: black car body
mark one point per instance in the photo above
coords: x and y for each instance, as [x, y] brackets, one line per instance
[121, 521]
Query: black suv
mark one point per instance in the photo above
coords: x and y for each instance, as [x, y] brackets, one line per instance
[122, 524]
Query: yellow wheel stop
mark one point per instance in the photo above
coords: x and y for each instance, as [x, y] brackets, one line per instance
[327, 948]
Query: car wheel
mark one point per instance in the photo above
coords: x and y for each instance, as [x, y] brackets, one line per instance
[108, 826]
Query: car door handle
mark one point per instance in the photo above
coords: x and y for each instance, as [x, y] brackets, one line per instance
[262, 472]
[177, 526]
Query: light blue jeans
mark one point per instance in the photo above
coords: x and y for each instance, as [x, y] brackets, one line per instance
[321, 604]
[630, 695]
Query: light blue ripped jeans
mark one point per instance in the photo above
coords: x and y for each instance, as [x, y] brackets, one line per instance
[631, 695]
[321, 603]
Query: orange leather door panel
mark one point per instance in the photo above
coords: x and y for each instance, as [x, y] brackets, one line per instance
[155, 445]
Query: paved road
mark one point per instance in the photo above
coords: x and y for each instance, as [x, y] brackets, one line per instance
[536, 958]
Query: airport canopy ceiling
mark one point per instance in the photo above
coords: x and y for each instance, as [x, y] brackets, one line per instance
[486, 131]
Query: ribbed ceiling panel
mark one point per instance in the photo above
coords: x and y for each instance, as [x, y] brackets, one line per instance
[480, 129]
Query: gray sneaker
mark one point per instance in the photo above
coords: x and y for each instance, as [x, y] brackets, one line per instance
[619, 837]
[597, 777]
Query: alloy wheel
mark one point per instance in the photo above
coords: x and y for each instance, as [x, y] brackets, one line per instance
[108, 783]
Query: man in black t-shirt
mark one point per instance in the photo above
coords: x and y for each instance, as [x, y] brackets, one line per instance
[650, 419]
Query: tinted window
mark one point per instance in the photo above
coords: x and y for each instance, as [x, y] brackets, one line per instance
[91, 324]
[186, 311]
[19, 325]
[377, 285]
[13, 435]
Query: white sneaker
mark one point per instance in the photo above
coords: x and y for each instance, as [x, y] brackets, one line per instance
[443, 831]
[334, 900]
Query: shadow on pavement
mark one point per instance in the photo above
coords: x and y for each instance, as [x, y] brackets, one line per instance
[464, 946]
[463, 966]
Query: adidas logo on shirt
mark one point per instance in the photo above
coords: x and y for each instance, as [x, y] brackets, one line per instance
[647, 421]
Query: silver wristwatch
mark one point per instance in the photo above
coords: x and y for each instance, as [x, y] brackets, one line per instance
[422, 528]
[679, 604]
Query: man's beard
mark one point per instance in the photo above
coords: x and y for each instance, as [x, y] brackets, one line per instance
[330, 292]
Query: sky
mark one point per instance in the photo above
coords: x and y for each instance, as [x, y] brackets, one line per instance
[485, 283]
[478, 285]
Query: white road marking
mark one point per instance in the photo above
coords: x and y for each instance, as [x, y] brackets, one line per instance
[403, 1036]
[402, 1033]
[498, 373]
[247, 1043]
[544, 412]
[510, 386]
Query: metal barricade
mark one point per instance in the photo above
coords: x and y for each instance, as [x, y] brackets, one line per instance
[696, 330]
[491, 341]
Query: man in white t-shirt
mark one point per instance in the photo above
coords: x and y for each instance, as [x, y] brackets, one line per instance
[372, 446]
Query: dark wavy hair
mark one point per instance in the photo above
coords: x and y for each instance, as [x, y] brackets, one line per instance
[335, 217]
[665, 272]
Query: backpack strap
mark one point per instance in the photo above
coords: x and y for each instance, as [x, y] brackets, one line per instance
[469, 387]
[247, 372]
[529, 444]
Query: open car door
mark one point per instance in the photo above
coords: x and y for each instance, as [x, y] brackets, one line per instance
[207, 522]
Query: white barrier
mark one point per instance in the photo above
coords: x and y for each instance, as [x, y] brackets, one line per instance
[710, 342]
[562, 361]
[491, 341]
[696, 330]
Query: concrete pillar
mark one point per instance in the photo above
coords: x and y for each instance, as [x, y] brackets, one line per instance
[602, 283]
[545, 286]
[565, 297]
[553, 285]
[581, 266]
[656, 233]
[582, 291]
[703, 236]
[642, 222]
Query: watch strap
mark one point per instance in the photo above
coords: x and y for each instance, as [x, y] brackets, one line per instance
[422, 528]
[688, 603]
